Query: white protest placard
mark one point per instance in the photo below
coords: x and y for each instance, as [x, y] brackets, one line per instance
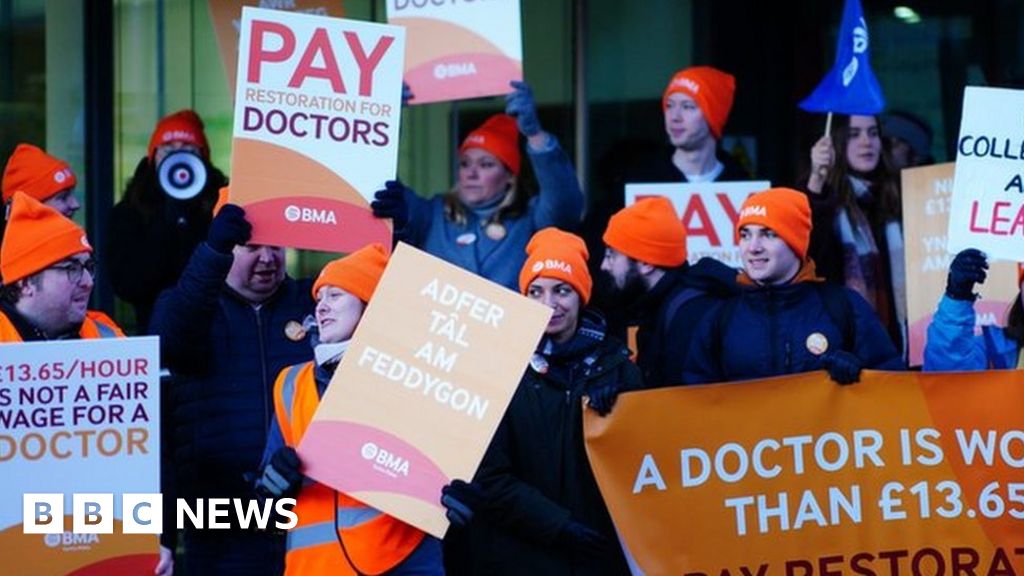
[422, 387]
[79, 417]
[460, 49]
[708, 210]
[987, 209]
[317, 111]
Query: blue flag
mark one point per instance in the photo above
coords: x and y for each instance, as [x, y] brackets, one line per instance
[850, 87]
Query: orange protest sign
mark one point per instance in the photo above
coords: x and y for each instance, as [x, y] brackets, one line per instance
[926, 200]
[901, 473]
[422, 387]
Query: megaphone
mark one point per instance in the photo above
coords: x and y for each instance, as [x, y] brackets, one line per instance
[182, 175]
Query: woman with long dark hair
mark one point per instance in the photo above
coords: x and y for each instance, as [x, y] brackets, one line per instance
[857, 239]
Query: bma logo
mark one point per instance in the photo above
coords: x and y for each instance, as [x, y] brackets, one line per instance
[556, 265]
[384, 461]
[688, 84]
[71, 541]
[61, 175]
[754, 211]
[293, 213]
[454, 70]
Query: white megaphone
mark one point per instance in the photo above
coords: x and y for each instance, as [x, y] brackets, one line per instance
[182, 175]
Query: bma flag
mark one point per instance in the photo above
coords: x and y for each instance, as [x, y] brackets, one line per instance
[850, 87]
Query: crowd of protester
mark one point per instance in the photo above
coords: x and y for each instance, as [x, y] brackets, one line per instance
[251, 350]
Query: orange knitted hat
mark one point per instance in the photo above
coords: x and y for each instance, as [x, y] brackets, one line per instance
[649, 231]
[499, 136]
[36, 173]
[553, 253]
[183, 126]
[784, 211]
[357, 273]
[710, 88]
[37, 237]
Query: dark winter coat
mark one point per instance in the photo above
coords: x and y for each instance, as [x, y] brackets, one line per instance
[536, 474]
[151, 237]
[764, 332]
[668, 316]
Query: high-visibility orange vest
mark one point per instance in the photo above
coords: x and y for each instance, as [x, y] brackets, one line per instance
[96, 325]
[374, 541]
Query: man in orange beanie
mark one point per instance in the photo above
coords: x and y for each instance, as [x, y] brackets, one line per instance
[696, 105]
[46, 178]
[151, 232]
[646, 273]
[546, 514]
[786, 319]
[47, 269]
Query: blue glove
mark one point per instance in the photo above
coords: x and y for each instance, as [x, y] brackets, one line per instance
[461, 500]
[520, 104]
[228, 229]
[407, 94]
[966, 270]
[581, 539]
[281, 477]
[842, 366]
[390, 203]
[602, 398]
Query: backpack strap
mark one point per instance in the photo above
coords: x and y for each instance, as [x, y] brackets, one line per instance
[840, 311]
[676, 302]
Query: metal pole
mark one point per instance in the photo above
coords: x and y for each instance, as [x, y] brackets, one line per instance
[580, 96]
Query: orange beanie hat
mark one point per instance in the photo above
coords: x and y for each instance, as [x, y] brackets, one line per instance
[710, 88]
[553, 253]
[784, 211]
[358, 273]
[499, 136]
[37, 237]
[183, 126]
[649, 231]
[36, 173]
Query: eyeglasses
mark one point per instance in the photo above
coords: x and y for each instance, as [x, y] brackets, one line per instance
[75, 270]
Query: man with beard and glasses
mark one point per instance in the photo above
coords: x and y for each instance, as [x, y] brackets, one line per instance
[229, 326]
[647, 276]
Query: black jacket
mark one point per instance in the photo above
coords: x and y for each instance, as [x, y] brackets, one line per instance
[668, 315]
[659, 167]
[151, 237]
[536, 474]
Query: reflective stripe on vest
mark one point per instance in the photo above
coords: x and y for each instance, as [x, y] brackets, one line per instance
[325, 532]
[288, 389]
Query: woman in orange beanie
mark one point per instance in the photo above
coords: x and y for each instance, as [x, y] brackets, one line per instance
[365, 541]
[484, 223]
[547, 515]
[856, 205]
[152, 234]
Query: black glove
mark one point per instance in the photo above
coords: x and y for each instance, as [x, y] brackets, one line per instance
[228, 229]
[461, 500]
[842, 366]
[281, 477]
[581, 539]
[390, 203]
[602, 398]
[967, 269]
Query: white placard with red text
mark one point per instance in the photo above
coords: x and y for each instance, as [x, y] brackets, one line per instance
[462, 49]
[317, 110]
[987, 210]
[709, 210]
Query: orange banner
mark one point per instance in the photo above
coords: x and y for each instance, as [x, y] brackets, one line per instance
[899, 474]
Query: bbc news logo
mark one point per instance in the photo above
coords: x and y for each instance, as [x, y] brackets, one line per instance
[144, 513]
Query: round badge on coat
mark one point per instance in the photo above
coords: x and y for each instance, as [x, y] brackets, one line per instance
[294, 331]
[465, 239]
[495, 231]
[817, 343]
